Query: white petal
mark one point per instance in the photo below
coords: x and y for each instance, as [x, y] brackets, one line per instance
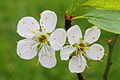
[66, 52]
[92, 35]
[77, 64]
[48, 21]
[26, 25]
[74, 34]
[27, 49]
[47, 57]
[58, 38]
[95, 52]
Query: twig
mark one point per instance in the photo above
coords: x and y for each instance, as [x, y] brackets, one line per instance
[68, 24]
[80, 76]
[111, 44]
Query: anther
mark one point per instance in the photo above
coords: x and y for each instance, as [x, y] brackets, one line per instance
[42, 26]
[73, 36]
[23, 22]
[93, 37]
[36, 29]
[63, 33]
[50, 56]
[80, 66]
[28, 29]
[100, 49]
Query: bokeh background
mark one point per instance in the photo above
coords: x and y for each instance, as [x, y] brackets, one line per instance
[13, 67]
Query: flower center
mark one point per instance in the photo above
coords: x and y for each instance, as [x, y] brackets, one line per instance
[81, 47]
[42, 39]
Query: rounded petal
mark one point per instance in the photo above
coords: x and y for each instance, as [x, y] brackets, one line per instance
[66, 52]
[47, 57]
[57, 38]
[77, 64]
[74, 34]
[95, 52]
[48, 21]
[26, 26]
[92, 35]
[27, 49]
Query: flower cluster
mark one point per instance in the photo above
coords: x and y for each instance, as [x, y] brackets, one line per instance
[43, 39]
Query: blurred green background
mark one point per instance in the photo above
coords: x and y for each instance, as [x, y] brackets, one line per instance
[13, 67]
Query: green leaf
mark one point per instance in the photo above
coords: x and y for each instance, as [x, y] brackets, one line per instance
[108, 20]
[80, 7]
[104, 4]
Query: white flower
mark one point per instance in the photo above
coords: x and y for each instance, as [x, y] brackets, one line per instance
[83, 47]
[39, 41]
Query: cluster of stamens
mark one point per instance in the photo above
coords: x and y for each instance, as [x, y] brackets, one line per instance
[81, 47]
[42, 39]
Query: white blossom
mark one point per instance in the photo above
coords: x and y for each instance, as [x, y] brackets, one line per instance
[39, 40]
[82, 47]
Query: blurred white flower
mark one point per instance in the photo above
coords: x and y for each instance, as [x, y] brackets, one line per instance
[39, 41]
[83, 47]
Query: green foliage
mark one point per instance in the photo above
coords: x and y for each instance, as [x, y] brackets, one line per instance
[104, 4]
[99, 14]
[14, 68]
[108, 20]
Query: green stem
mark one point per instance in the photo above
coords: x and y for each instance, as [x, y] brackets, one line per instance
[79, 17]
[109, 59]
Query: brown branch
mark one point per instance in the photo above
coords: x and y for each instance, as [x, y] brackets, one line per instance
[111, 44]
[68, 24]
[80, 76]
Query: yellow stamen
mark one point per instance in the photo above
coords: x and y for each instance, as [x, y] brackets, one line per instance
[36, 29]
[28, 29]
[33, 32]
[84, 43]
[88, 67]
[32, 38]
[73, 36]
[100, 49]
[23, 22]
[63, 33]
[101, 60]
[46, 18]
[97, 57]
[46, 32]
[93, 37]
[80, 66]
[42, 26]
[16, 42]
[109, 41]
[106, 54]
[30, 47]
[16, 31]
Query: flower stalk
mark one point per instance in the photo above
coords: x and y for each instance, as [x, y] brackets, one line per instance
[111, 44]
[68, 24]
[79, 17]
